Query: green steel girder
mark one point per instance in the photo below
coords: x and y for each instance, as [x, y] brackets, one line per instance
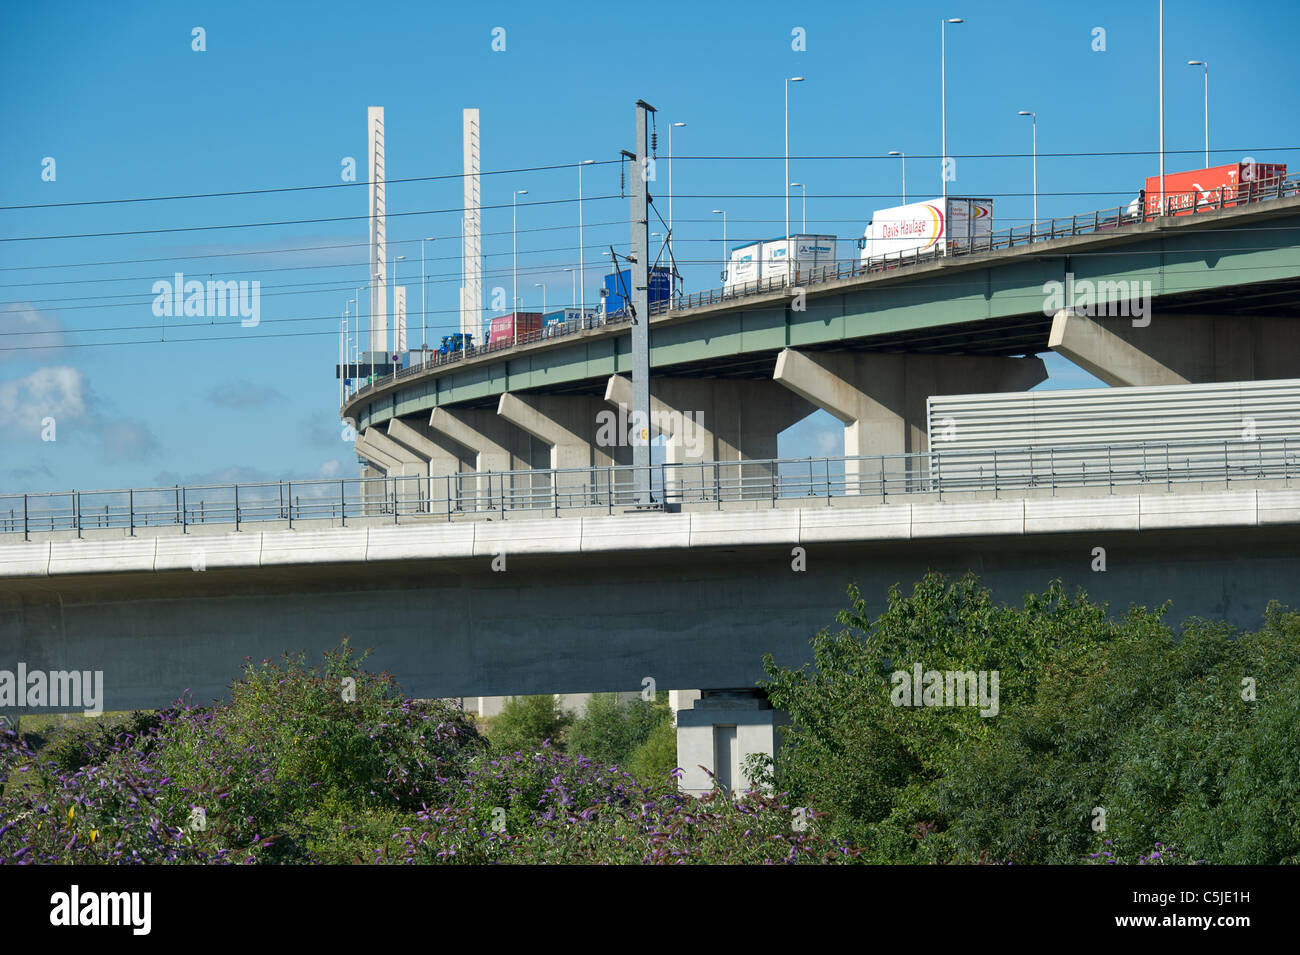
[1212, 251]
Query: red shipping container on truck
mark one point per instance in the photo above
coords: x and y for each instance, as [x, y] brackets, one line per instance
[1207, 188]
[502, 329]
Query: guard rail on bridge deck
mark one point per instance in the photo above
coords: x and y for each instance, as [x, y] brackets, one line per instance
[1089, 223]
[672, 485]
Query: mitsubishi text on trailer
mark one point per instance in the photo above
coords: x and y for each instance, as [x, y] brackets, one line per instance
[924, 227]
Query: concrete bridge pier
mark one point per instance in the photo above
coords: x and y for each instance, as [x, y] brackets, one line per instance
[708, 421]
[405, 469]
[496, 445]
[719, 732]
[444, 459]
[567, 425]
[881, 398]
[1179, 349]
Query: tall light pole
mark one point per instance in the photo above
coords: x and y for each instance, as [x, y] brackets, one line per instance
[788, 81]
[1024, 112]
[543, 288]
[723, 213]
[895, 152]
[514, 244]
[672, 263]
[804, 189]
[1206, 64]
[1161, 210]
[943, 96]
[424, 301]
[573, 274]
[582, 264]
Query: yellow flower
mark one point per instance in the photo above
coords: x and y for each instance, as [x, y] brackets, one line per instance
[72, 811]
[94, 835]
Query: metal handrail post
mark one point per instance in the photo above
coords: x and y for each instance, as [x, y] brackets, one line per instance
[290, 511]
[236, 507]
[130, 510]
[76, 512]
[343, 505]
[25, 529]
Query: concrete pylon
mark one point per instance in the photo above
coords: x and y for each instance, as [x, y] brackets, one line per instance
[567, 425]
[408, 471]
[718, 733]
[1179, 349]
[881, 398]
[496, 446]
[715, 420]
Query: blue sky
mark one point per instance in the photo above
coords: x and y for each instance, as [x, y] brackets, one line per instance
[117, 97]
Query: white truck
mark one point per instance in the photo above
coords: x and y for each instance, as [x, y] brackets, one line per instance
[770, 259]
[925, 227]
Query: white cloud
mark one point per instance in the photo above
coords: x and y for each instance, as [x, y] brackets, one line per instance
[28, 334]
[58, 392]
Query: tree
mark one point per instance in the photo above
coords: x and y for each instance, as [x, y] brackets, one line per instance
[525, 722]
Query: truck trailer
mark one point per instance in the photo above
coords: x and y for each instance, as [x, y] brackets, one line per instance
[618, 285]
[924, 227]
[771, 259]
[502, 329]
[1214, 186]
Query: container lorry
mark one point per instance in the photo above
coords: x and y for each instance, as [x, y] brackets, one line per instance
[618, 285]
[773, 259]
[502, 329]
[1189, 191]
[925, 227]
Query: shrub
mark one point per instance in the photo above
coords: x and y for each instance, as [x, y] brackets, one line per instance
[527, 722]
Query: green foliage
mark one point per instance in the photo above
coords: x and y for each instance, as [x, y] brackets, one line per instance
[610, 730]
[525, 723]
[1095, 714]
[654, 760]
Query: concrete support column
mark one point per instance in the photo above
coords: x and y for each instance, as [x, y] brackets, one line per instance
[708, 421]
[1179, 349]
[407, 471]
[719, 732]
[881, 398]
[496, 446]
[568, 426]
[444, 459]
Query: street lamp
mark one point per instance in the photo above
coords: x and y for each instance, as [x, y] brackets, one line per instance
[1161, 68]
[543, 288]
[1034, 116]
[514, 242]
[789, 80]
[723, 213]
[895, 152]
[672, 263]
[582, 265]
[943, 95]
[573, 274]
[424, 300]
[1205, 63]
[800, 185]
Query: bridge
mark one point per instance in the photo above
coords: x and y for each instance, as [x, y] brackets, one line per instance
[515, 592]
[868, 344]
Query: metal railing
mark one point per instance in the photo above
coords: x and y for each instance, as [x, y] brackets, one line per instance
[1057, 228]
[536, 492]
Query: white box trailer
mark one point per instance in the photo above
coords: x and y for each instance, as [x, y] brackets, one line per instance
[770, 260]
[1128, 435]
[921, 228]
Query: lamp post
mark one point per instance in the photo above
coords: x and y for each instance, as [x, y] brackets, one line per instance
[424, 301]
[1161, 59]
[789, 80]
[543, 288]
[573, 274]
[943, 96]
[804, 189]
[1205, 63]
[582, 265]
[1034, 116]
[895, 152]
[672, 263]
[723, 213]
[514, 245]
